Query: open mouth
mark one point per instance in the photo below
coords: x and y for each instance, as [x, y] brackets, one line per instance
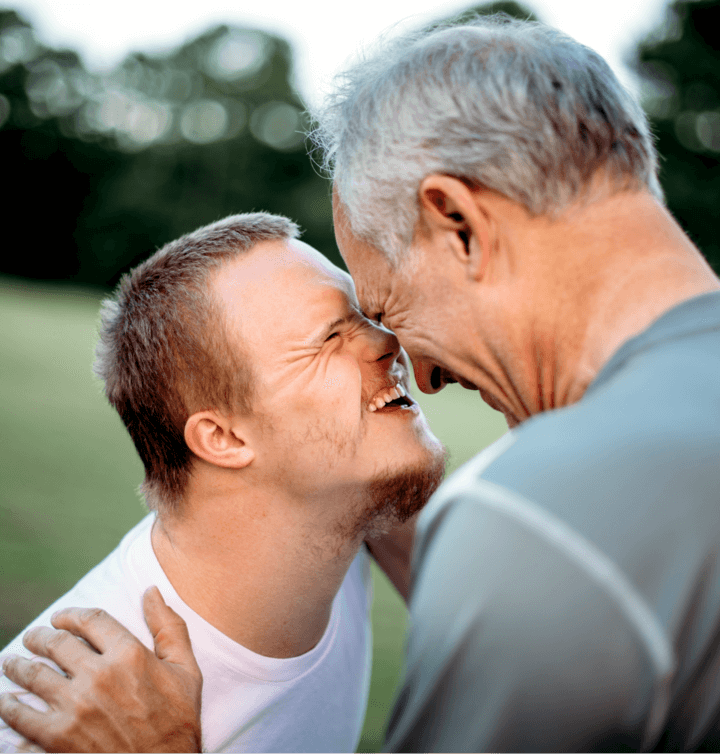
[396, 405]
[392, 398]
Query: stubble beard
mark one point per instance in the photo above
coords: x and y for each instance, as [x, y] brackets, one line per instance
[390, 499]
[396, 496]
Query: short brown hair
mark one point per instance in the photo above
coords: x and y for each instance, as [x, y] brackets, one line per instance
[164, 351]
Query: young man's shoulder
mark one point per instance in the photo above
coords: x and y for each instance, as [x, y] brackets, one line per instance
[114, 586]
[250, 702]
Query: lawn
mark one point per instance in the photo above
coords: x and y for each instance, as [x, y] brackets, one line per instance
[69, 473]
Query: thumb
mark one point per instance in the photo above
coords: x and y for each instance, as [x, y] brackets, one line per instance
[169, 630]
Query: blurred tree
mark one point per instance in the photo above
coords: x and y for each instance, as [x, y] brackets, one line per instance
[47, 171]
[104, 169]
[680, 67]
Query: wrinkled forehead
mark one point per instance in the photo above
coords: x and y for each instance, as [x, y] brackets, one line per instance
[371, 272]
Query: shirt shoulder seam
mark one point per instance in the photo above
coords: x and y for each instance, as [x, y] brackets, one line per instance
[598, 567]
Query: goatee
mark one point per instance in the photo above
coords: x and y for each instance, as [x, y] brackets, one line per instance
[396, 497]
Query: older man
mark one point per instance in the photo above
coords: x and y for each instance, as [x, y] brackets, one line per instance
[276, 433]
[497, 204]
[498, 208]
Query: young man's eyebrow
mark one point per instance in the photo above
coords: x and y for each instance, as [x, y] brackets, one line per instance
[330, 326]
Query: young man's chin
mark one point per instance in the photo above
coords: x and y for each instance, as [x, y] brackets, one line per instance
[396, 496]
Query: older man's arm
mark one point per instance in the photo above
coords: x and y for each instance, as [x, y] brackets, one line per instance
[393, 553]
[117, 695]
[526, 637]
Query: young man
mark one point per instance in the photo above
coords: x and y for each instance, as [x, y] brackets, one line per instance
[277, 435]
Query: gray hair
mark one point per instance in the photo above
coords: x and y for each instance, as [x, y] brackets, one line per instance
[515, 106]
[164, 350]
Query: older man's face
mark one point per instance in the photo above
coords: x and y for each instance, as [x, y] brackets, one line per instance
[417, 304]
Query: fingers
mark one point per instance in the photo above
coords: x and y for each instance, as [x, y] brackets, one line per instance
[169, 630]
[25, 720]
[96, 626]
[35, 676]
[64, 649]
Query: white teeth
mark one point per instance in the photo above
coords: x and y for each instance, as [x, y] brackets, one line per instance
[398, 391]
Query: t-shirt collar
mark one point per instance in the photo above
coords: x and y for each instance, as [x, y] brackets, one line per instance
[696, 315]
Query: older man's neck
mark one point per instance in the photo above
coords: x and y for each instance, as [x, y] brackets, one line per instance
[612, 268]
[256, 571]
[651, 268]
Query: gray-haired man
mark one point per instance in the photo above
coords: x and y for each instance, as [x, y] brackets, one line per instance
[497, 204]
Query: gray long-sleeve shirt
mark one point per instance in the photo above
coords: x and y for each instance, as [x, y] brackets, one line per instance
[566, 589]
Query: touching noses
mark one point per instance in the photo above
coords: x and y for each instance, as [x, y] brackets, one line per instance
[382, 345]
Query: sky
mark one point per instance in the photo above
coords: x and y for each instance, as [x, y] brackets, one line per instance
[324, 34]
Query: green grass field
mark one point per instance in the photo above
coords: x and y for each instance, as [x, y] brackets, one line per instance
[69, 471]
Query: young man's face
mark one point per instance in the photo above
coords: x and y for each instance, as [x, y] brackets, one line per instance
[323, 372]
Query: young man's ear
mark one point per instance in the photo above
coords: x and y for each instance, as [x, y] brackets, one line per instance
[451, 210]
[217, 439]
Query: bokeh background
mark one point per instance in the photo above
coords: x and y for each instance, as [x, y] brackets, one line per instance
[103, 163]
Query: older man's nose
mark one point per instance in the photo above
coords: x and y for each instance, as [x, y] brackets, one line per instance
[429, 378]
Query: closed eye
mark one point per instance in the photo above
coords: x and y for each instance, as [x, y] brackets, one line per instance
[331, 336]
[376, 318]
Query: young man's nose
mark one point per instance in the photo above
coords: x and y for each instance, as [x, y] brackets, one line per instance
[381, 345]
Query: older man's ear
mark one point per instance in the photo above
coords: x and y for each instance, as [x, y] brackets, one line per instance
[218, 439]
[458, 218]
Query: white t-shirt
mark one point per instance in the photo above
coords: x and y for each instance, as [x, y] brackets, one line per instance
[315, 702]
